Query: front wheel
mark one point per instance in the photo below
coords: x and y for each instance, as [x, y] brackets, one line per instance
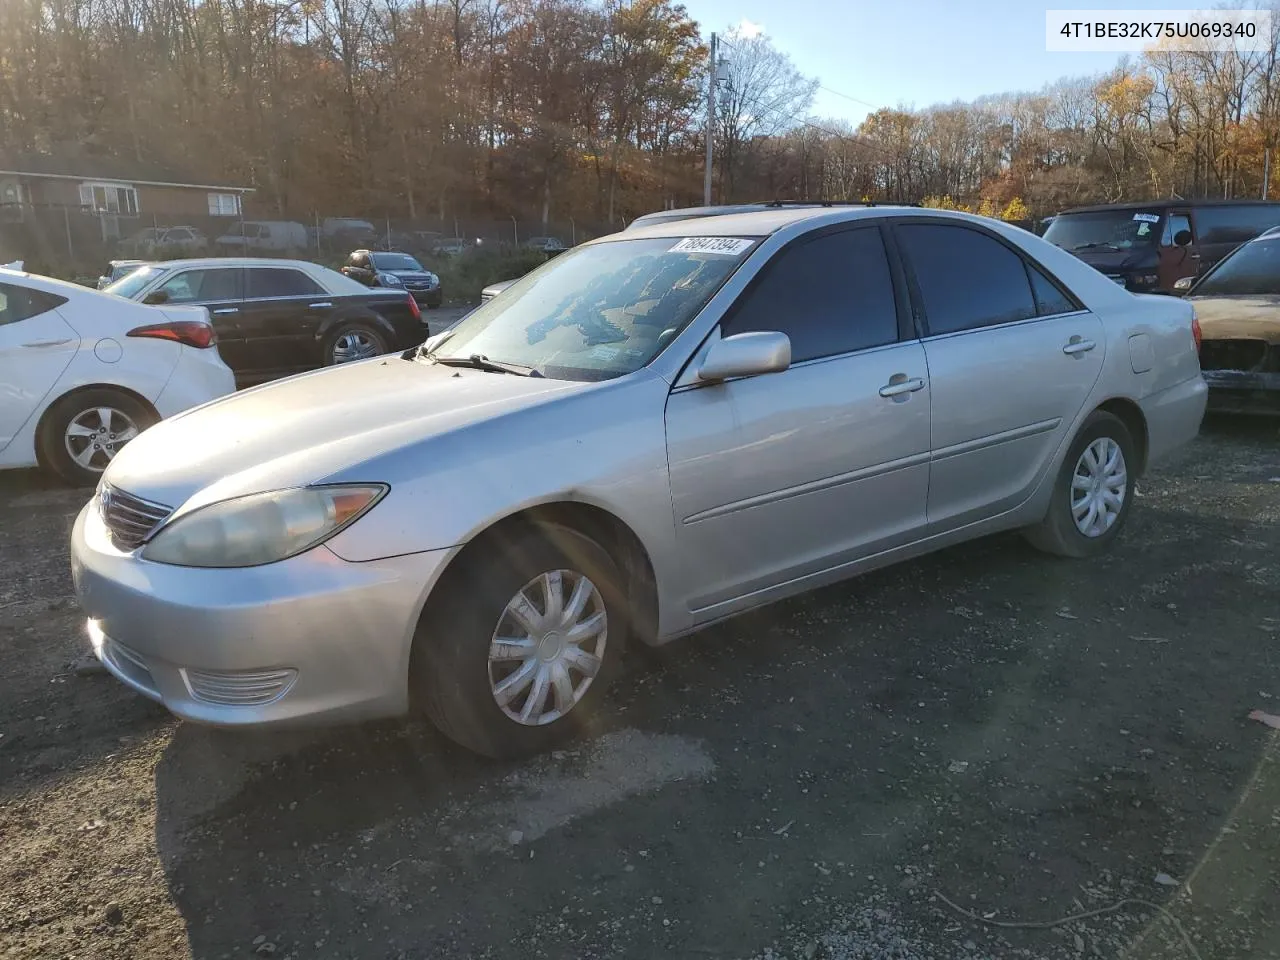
[83, 432]
[1093, 491]
[518, 654]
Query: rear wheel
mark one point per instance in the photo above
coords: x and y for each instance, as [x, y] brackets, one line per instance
[528, 636]
[83, 432]
[1093, 491]
[354, 341]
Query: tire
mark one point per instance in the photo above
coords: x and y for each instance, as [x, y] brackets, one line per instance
[452, 677]
[1058, 533]
[374, 343]
[69, 452]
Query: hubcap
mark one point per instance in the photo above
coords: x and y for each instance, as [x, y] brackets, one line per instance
[1098, 487]
[95, 436]
[547, 647]
[355, 345]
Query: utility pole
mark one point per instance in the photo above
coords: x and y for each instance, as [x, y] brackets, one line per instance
[712, 73]
[1266, 171]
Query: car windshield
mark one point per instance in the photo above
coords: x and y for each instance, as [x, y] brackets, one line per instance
[1253, 270]
[133, 283]
[600, 311]
[1106, 230]
[395, 261]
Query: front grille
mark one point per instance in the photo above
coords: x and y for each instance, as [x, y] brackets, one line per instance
[129, 519]
[239, 689]
[1239, 354]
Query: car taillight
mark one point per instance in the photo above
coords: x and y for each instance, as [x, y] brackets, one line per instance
[413, 308]
[191, 333]
[1195, 330]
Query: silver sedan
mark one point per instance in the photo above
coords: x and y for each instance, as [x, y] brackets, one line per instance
[648, 434]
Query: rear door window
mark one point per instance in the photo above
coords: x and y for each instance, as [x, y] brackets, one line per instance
[266, 282]
[966, 279]
[22, 303]
[1232, 223]
[830, 295]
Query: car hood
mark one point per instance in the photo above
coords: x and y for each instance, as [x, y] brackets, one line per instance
[1109, 261]
[306, 429]
[410, 274]
[1224, 318]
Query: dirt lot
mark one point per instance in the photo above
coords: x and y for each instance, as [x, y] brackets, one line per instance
[1030, 739]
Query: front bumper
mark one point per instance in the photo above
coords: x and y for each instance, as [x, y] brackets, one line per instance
[1243, 391]
[310, 639]
[428, 298]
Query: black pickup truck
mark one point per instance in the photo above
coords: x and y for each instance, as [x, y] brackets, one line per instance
[277, 317]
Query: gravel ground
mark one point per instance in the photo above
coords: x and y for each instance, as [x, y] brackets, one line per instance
[1029, 739]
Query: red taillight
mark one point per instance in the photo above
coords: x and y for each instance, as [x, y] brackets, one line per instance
[1195, 330]
[191, 333]
[413, 308]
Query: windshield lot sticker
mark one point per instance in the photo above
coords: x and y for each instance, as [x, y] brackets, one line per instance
[603, 353]
[1147, 217]
[721, 246]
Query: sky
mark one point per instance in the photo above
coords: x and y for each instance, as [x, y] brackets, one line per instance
[890, 53]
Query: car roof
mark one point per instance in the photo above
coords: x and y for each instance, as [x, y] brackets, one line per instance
[236, 262]
[759, 222]
[1162, 204]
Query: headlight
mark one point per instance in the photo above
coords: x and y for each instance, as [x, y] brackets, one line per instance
[432, 279]
[262, 527]
[390, 280]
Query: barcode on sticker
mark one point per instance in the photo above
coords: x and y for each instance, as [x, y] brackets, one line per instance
[722, 246]
[1147, 217]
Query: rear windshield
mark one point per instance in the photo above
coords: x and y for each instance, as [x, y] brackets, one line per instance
[1105, 230]
[1253, 270]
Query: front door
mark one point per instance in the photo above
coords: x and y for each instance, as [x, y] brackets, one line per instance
[1012, 358]
[36, 345]
[1176, 262]
[219, 290]
[784, 475]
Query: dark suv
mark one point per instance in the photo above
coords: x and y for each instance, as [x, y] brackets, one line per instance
[400, 271]
[1148, 247]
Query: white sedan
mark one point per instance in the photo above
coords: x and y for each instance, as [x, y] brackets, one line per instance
[82, 372]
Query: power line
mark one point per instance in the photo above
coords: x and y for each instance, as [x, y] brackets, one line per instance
[847, 97]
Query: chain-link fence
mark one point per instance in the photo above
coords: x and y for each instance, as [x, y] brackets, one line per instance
[78, 242]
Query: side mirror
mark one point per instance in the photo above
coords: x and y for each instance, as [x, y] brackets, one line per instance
[1182, 238]
[156, 297]
[1183, 284]
[746, 355]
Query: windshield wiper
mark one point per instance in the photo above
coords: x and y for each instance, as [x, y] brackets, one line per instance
[1086, 246]
[480, 362]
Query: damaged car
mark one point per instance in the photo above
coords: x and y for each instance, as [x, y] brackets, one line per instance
[1238, 306]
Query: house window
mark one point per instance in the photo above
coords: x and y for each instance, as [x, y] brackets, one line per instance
[224, 204]
[117, 198]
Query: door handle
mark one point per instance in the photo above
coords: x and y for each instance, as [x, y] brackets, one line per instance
[47, 343]
[1077, 345]
[225, 310]
[899, 384]
[317, 306]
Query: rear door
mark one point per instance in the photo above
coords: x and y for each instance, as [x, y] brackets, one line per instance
[220, 290]
[283, 309]
[785, 475]
[1012, 358]
[36, 345]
